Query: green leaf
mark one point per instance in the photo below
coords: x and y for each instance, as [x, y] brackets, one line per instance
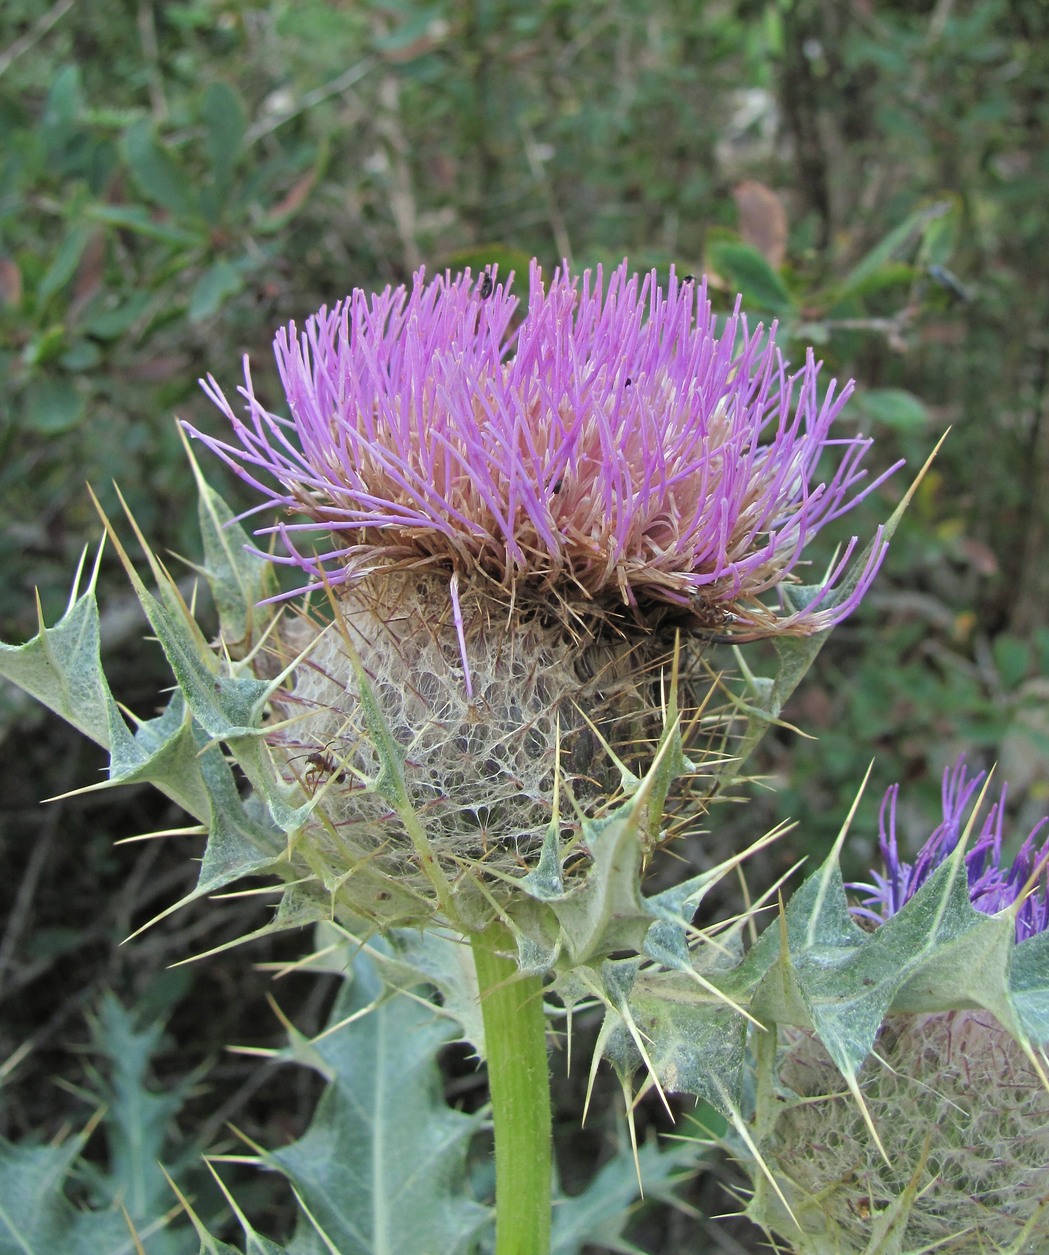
[238, 578]
[382, 1168]
[222, 112]
[213, 288]
[65, 262]
[850, 302]
[53, 406]
[482, 256]
[898, 241]
[140, 220]
[37, 1218]
[110, 323]
[81, 356]
[941, 235]
[749, 272]
[65, 101]
[1012, 657]
[892, 407]
[156, 173]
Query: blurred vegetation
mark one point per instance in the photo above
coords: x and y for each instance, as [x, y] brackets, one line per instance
[179, 179]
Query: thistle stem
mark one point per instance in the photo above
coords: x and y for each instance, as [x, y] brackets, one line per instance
[519, 1084]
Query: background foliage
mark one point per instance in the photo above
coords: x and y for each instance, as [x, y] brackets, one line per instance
[177, 180]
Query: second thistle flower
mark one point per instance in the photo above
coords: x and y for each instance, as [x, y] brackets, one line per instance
[960, 1106]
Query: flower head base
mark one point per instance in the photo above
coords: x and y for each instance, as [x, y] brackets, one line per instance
[480, 770]
[992, 886]
[612, 452]
[955, 1101]
[961, 1110]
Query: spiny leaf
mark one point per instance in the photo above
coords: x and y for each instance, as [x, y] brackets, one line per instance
[36, 1217]
[443, 961]
[606, 911]
[819, 969]
[597, 1215]
[254, 1244]
[125, 1202]
[62, 669]
[382, 1168]
[225, 705]
[1029, 987]
[238, 578]
[240, 843]
[603, 910]
[693, 1042]
[138, 1118]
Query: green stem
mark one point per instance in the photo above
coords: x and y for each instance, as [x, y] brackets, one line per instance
[519, 1083]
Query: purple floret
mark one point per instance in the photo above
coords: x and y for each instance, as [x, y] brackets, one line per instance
[992, 885]
[610, 447]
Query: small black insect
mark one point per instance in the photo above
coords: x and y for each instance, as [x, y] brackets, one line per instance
[627, 382]
[688, 278]
[487, 287]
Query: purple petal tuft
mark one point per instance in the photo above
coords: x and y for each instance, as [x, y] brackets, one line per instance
[992, 885]
[611, 446]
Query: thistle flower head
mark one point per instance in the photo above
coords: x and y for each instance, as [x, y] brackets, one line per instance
[522, 511]
[993, 884]
[608, 449]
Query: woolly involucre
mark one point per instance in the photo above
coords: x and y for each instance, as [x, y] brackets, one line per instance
[955, 1085]
[479, 768]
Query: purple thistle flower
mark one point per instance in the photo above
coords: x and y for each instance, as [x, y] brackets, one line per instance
[610, 450]
[992, 885]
